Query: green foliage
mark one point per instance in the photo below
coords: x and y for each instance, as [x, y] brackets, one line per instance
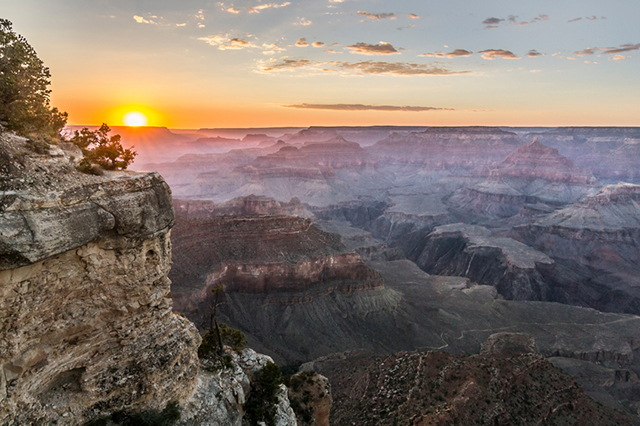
[263, 399]
[24, 93]
[232, 337]
[167, 417]
[101, 149]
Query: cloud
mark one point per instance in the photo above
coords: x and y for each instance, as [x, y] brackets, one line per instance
[257, 9]
[181, 25]
[270, 49]
[200, 15]
[412, 16]
[589, 51]
[588, 18]
[621, 49]
[459, 53]
[381, 48]
[233, 10]
[223, 42]
[491, 54]
[540, 18]
[332, 51]
[535, 71]
[317, 44]
[302, 42]
[361, 107]
[362, 67]
[201, 25]
[303, 22]
[620, 57]
[534, 53]
[492, 21]
[376, 16]
[141, 20]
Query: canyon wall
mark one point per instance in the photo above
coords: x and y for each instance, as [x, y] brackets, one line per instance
[86, 322]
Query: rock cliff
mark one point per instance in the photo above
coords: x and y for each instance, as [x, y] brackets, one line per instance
[85, 306]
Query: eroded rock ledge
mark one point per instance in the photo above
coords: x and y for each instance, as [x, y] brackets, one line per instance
[86, 326]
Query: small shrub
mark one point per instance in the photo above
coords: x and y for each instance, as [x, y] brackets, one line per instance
[263, 399]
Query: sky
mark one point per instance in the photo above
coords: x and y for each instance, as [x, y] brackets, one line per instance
[252, 63]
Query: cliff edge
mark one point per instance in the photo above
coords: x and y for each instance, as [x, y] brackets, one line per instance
[86, 322]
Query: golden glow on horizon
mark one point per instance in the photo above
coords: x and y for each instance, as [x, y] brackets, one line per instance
[135, 119]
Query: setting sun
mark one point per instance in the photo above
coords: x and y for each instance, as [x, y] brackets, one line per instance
[135, 119]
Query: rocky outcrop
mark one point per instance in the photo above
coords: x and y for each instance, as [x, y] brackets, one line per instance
[86, 323]
[595, 245]
[533, 174]
[310, 396]
[437, 388]
[221, 395]
[514, 269]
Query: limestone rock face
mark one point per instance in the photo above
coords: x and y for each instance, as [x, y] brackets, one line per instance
[220, 395]
[86, 326]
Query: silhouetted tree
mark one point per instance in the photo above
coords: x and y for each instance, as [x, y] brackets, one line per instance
[24, 93]
[101, 149]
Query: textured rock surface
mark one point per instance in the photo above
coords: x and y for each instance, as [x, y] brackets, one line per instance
[310, 395]
[470, 251]
[220, 395]
[85, 306]
[293, 278]
[422, 388]
[534, 173]
[595, 245]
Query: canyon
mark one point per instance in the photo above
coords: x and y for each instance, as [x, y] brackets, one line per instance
[370, 255]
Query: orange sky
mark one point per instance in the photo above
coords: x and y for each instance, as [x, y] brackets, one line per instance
[248, 63]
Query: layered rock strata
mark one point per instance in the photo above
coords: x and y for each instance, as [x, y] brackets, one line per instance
[86, 324]
[280, 274]
[595, 245]
[470, 251]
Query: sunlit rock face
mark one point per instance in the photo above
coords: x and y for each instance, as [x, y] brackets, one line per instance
[595, 245]
[86, 325]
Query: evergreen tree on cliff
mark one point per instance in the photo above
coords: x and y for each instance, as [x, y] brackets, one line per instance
[24, 93]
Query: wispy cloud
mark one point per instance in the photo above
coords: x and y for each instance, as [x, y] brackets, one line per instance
[534, 53]
[589, 51]
[317, 44]
[233, 10]
[377, 16]
[302, 42]
[620, 57]
[223, 42]
[457, 53]
[588, 18]
[492, 54]
[381, 48]
[621, 49]
[493, 23]
[362, 107]
[141, 20]
[412, 16]
[358, 68]
[302, 21]
[257, 9]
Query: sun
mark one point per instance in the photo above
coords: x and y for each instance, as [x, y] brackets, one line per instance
[135, 119]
